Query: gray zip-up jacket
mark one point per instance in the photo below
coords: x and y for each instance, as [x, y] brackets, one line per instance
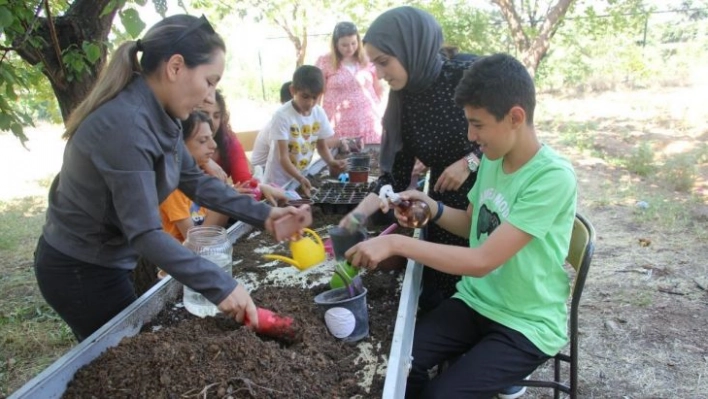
[123, 161]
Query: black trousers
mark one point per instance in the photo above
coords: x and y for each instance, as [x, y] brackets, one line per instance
[85, 295]
[485, 356]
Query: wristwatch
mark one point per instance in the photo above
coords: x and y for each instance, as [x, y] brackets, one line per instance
[472, 162]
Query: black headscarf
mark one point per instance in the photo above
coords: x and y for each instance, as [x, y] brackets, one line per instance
[414, 38]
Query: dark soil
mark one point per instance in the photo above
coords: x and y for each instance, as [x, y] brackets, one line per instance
[178, 355]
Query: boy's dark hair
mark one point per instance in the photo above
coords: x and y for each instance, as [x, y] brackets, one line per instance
[310, 78]
[497, 83]
[285, 95]
[189, 125]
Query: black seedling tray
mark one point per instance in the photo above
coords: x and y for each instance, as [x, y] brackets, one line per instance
[341, 198]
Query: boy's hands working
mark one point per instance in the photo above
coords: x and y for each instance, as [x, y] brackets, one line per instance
[368, 254]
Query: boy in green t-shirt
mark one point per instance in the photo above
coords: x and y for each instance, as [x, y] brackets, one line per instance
[509, 313]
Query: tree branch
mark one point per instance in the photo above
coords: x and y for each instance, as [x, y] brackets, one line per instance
[54, 79]
[303, 48]
[55, 39]
[17, 44]
[553, 18]
[293, 38]
[91, 9]
[550, 24]
[512, 18]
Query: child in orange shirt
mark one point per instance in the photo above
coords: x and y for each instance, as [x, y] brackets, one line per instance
[178, 212]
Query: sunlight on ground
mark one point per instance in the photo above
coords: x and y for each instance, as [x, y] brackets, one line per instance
[672, 110]
[28, 172]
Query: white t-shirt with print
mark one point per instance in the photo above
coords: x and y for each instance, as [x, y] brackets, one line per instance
[301, 132]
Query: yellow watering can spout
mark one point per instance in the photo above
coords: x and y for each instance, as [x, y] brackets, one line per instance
[285, 259]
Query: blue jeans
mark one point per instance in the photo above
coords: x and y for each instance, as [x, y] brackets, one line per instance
[85, 295]
[485, 356]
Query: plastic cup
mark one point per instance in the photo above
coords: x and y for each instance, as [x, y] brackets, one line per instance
[346, 318]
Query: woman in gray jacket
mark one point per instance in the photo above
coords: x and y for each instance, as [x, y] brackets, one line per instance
[123, 157]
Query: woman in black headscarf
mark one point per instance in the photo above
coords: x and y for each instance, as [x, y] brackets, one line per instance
[421, 121]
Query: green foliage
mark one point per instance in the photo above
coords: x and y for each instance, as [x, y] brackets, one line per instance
[468, 27]
[26, 92]
[680, 172]
[578, 134]
[131, 22]
[112, 5]
[624, 43]
[160, 6]
[599, 45]
[641, 160]
[595, 44]
[78, 61]
[13, 80]
[16, 77]
[5, 17]
[702, 153]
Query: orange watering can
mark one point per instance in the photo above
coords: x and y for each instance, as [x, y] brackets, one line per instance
[306, 252]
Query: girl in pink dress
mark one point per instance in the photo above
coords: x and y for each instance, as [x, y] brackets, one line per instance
[352, 95]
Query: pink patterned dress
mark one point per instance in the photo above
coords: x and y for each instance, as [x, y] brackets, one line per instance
[350, 100]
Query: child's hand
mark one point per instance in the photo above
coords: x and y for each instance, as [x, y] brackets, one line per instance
[344, 146]
[243, 188]
[249, 187]
[277, 213]
[273, 194]
[213, 169]
[305, 185]
[368, 254]
[416, 195]
[338, 166]
[419, 168]
[410, 195]
[239, 304]
[353, 221]
[452, 177]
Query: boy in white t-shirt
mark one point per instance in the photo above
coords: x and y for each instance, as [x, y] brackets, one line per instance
[261, 147]
[298, 128]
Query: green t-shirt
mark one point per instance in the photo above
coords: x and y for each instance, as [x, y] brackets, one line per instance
[527, 293]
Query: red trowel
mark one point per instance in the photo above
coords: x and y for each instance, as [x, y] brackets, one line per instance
[275, 326]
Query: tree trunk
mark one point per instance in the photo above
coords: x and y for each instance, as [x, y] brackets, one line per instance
[299, 43]
[80, 23]
[302, 50]
[532, 50]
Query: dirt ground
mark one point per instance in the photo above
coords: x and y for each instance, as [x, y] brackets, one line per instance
[644, 311]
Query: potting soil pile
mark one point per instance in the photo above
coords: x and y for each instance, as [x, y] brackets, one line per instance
[178, 355]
